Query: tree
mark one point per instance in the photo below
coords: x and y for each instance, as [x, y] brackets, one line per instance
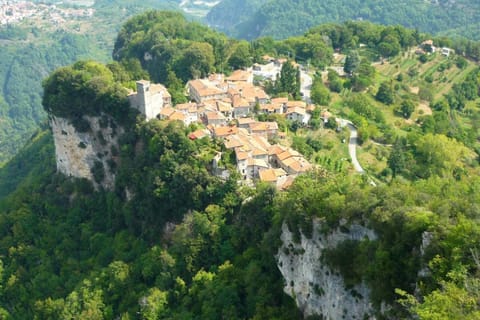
[440, 155]
[352, 61]
[153, 305]
[176, 88]
[241, 57]
[289, 81]
[407, 107]
[319, 93]
[197, 61]
[385, 93]
[334, 82]
[396, 161]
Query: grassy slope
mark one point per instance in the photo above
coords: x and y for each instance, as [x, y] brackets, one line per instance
[373, 156]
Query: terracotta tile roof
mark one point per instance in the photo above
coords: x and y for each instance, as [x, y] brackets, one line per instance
[208, 106]
[239, 75]
[288, 154]
[261, 142]
[263, 126]
[232, 142]
[224, 131]
[257, 163]
[177, 115]
[245, 121]
[243, 131]
[259, 152]
[279, 100]
[186, 106]
[241, 155]
[239, 102]
[267, 175]
[224, 106]
[271, 175]
[167, 112]
[198, 134]
[276, 149]
[252, 93]
[205, 89]
[297, 165]
[300, 104]
[213, 115]
[232, 91]
[296, 110]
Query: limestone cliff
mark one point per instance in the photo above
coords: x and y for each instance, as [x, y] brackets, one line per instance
[87, 154]
[316, 288]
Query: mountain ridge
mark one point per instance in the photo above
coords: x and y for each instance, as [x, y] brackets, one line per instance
[282, 18]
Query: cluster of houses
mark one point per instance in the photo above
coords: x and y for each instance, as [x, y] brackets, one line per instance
[224, 105]
[12, 12]
[428, 47]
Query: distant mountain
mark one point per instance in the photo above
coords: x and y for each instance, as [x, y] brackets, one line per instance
[282, 18]
[228, 14]
[197, 8]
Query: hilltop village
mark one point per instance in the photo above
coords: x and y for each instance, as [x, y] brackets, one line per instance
[225, 106]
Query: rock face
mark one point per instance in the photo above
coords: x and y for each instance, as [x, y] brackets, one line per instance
[86, 154]
[316, 288]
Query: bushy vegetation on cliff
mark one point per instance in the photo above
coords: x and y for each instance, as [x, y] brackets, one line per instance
[86, 88]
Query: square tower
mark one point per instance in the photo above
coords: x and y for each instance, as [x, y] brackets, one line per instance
[148, 98]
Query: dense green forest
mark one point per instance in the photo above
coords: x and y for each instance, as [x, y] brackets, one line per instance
[282, 18]
[32, 49]
[22, 69]
[172, 241]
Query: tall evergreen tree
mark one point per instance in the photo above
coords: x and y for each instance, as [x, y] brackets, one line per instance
[352, 61]
[289, 81]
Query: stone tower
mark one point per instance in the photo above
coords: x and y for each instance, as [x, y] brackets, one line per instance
[148, 99]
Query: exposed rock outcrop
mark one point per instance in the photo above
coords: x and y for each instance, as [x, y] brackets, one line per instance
[316, 288]
[87, 154]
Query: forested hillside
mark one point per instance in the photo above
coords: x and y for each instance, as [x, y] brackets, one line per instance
[32, 48]
[283, 18]
[173, 241]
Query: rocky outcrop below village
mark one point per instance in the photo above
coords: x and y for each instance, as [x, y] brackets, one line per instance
[90, 154]
[316, 288]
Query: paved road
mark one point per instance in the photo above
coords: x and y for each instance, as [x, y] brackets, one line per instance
[352, 143]
[305, 87]
[352, 148]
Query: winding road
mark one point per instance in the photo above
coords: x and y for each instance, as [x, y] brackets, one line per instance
[352, 144]
[305, 87]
